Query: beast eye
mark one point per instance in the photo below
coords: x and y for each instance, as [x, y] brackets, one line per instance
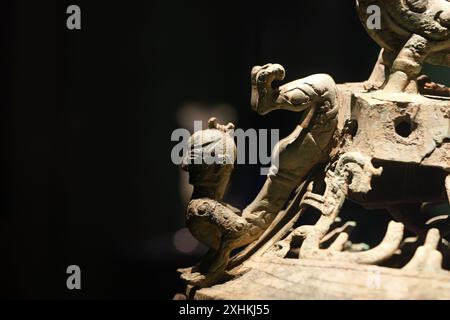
[418, 5]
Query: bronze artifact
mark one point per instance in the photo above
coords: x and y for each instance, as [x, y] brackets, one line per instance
[352, 144]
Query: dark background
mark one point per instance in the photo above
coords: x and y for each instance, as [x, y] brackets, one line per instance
[88, 178]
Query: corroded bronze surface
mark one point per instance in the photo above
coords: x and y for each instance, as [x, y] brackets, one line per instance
[380, 143]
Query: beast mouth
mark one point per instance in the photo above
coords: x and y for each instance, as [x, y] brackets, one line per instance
[443, 22]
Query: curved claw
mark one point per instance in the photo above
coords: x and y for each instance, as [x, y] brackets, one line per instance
[386, 249]
[427, 258]
[333, 234]
[380, 253]
[339, 243]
